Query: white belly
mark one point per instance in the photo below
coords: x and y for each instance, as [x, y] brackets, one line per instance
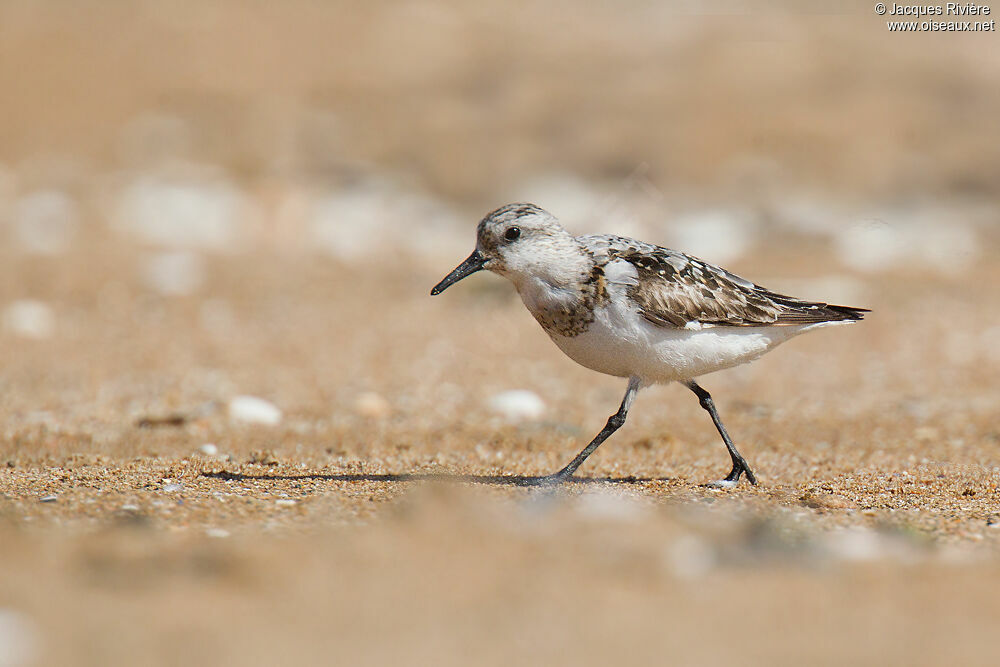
[620, 342]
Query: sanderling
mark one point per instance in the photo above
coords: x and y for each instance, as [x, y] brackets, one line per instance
[638, 311]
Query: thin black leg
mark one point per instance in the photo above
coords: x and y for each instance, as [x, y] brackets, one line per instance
[740, 464]
[615, 422]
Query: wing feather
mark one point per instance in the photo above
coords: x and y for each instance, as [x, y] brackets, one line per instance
[673, 289]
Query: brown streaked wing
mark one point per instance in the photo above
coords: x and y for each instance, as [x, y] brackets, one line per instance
[674, 289]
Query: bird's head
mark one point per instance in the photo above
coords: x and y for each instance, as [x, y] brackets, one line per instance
[517, 241]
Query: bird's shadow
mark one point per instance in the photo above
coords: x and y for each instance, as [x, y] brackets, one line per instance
[491, 480]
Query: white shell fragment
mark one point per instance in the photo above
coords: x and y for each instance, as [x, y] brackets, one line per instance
[253, 410]
[183, 212]
[45, 222]
[517, 405]
[19, 640]
[175, 273]
[29, 318]
[370, 404]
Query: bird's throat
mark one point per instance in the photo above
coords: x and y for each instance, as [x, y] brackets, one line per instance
[565, 309]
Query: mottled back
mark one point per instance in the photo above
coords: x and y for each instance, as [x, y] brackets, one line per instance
[674, 290]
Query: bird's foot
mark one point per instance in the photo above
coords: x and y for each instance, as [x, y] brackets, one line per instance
[732, 480]
[724, 484]
[554, 479]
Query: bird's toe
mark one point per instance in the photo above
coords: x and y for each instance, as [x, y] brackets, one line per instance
[725, 484]
[545, 480]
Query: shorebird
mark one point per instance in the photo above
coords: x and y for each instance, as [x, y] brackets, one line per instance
[639, 311]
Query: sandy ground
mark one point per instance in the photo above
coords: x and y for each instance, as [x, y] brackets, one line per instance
[352, 531]
[201, 200]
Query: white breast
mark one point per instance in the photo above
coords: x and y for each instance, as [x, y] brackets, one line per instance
[621, 342]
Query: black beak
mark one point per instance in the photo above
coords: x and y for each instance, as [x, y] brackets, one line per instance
[473, 263]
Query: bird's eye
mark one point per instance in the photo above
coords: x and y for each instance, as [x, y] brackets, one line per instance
[512, 233]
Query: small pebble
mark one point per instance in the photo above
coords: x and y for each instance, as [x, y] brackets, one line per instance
[264, 458]
[517, 405]
[285, 502]
[253, 410]
[871, 245]
[208, 449]
[183, 212]
[718, 235]
[48, 499]
[29, 318]
[826, 501]
[690, 557]
[173, 487]
[855, 544]
[609, 506]
[45, 222]
[19, 639]
[175, 273]
[486, 454]
[130, 508]
[370, 404]
[217, 532]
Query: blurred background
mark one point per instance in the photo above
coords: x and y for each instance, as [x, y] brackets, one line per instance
[231, 125]
[219, 224]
